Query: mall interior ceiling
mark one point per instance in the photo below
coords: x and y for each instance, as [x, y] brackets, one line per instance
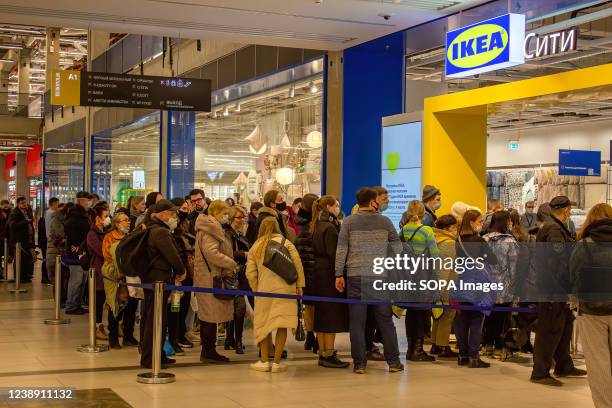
[594, 48]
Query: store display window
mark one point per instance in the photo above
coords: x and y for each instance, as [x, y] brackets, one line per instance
[64, 170]
[125, 160]
[272, 139]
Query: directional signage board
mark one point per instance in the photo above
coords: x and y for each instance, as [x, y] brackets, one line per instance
[132, 91]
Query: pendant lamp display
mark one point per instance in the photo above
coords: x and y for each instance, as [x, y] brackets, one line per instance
[257, 141]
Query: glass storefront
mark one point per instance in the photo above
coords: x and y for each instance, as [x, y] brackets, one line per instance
[126, 160]
[270, 140]
[64, 170]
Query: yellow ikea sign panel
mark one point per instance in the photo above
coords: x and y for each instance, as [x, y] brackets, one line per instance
[66, 87]
[478, 46]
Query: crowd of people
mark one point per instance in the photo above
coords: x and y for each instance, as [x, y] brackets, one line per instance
[193, 241]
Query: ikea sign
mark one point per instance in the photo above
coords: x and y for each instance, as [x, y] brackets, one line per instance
[485, 46]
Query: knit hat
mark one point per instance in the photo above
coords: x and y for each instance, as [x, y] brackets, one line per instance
[307, 202]
[459, 208]
[429, 192]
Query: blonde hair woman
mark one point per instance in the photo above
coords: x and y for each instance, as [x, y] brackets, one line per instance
[214, 256]
[598, 212]
[272, 313]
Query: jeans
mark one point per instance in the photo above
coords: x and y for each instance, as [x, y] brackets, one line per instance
[468, 329]
[76, 287]
[357, 327]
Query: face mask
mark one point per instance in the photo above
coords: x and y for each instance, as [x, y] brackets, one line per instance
[383, 207]
[282, 206]
[106, 222]
[124, 230]
[172, 223]
[336, 211]
[478, 229]
[436, 206]
[183, 215]
[225, 220]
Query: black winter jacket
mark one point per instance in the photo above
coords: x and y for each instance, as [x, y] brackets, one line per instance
[76, 228]
[554, 245]
[303, 244]
[163, 252]
[591, 269]
[252, 230]
[21, 229]
[240, 246]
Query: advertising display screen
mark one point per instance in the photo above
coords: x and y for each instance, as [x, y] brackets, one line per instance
[401, 166]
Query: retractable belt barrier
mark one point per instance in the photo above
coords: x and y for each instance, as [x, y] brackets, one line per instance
[310, 298]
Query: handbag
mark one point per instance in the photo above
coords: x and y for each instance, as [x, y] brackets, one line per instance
[278, 260]
[300, 334]
[221, 282]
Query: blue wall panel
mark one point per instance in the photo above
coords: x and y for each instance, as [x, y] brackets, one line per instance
[181, 153]
[373, 88]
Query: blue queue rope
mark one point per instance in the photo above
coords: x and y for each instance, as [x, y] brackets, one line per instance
[308, 298]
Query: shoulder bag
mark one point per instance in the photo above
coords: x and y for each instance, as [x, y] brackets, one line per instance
[278, 260]
[221, 282]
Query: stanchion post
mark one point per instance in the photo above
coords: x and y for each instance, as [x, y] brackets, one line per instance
[92, 347]
[5, 262]
[156, 376]
[57, 288]
[17, 269]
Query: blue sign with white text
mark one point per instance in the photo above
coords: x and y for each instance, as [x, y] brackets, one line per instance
[485, 46]
[579, 163]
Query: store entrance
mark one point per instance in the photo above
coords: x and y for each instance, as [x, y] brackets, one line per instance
[557, 144]
[463, 133]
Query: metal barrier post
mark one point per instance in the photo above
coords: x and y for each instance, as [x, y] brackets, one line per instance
[92, 347]
[17, 269]
[57, 287]
[5, 262]
[157, 377]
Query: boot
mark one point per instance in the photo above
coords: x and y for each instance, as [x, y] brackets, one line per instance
[418, 354]
[211, 356]
[315, 346]
[447, 352]
[310, 341]
[230, 343]
[478, 363]
[239, 347]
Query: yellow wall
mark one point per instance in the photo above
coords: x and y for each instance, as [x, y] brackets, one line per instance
[455, 130]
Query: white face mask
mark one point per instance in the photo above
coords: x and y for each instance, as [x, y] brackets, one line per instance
[225, 220]
[172, 223]
[335, 211]
[106, 222]
[124, 230]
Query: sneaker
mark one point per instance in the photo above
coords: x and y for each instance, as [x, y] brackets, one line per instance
[359, 369]
[278, 367]
[396, 368]
[332, 361]
[576, 372]
[553, 382]
[185, 343]
[261, 366]
[101, 332]
[375, 355]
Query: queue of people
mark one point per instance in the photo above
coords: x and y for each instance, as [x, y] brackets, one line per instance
[219, 244]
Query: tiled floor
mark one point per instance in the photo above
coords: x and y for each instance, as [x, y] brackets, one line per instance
[33, 354]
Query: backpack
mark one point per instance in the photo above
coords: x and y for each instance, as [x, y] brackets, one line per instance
[132, 251]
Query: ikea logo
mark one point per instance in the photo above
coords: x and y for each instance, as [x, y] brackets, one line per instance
[486, 46]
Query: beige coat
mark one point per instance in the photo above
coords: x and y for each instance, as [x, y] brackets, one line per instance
[272, 313]
[213, 244]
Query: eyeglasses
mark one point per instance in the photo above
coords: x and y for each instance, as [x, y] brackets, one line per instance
[199, 200]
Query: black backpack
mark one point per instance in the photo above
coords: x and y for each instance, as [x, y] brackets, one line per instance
[131, 253]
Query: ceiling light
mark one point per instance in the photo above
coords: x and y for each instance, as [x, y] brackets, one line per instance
[21, 30]
[238, 107]
[226, 112]
[292, 91]
[284, 176]
[11, 46]
[313, 87]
